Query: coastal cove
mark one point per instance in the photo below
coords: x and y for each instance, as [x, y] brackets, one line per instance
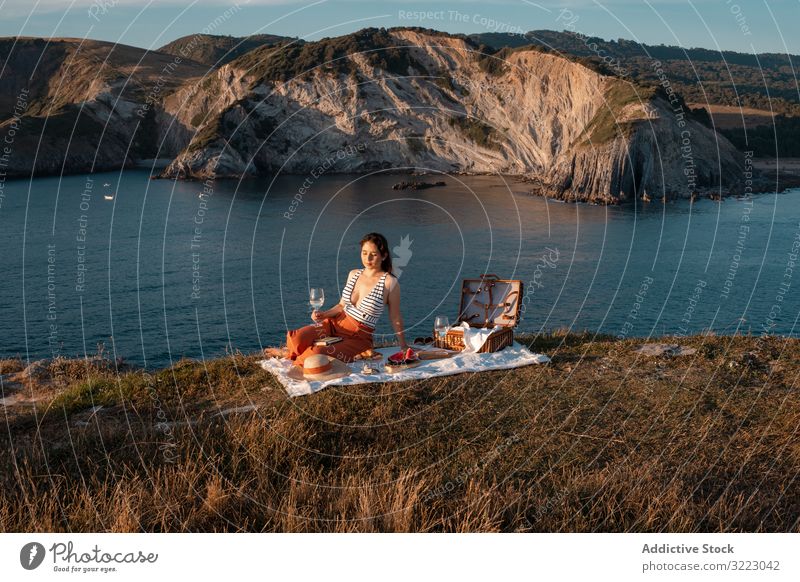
[168, 269]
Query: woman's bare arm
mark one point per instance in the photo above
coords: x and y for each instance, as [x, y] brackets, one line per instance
[328, 313]
[393, 300]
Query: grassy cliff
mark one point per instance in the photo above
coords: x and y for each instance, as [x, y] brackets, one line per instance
[601, 439]
[217, 50]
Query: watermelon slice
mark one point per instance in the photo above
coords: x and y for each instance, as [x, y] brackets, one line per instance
[402, 357]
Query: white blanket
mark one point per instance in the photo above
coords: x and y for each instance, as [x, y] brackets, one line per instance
[513, 356]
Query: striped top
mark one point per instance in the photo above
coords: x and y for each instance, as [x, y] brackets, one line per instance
[369, 308]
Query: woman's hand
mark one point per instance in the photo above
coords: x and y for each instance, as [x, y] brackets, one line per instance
[319, 316]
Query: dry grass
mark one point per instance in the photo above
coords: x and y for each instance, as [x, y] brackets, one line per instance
[727, 117]
[602, 439]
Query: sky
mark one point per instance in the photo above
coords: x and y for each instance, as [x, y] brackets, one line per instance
[740, 25]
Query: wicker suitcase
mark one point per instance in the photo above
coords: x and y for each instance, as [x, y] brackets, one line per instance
[486, 302]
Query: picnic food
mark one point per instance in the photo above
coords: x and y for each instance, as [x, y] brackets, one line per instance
[276, 352]
[369, 354]
[402, 360]
[404, 357]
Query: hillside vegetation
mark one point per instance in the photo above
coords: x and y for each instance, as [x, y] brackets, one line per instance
[215, 50]
[419, 97]
[602, 439]
[766, 82]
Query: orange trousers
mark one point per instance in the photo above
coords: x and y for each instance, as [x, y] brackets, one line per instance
[356, 339]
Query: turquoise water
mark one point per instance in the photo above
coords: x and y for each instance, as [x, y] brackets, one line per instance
[162, 271]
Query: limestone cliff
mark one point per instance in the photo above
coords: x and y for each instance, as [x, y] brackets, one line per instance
[399, 99]
[414, 99]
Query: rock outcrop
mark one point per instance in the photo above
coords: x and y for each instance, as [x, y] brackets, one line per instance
[77, 105]
[403, 100]
[442, 105]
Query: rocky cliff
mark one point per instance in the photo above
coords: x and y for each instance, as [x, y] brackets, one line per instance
[77, 105]
[412, 99]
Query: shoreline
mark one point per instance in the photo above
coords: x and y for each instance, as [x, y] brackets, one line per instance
[788, 178]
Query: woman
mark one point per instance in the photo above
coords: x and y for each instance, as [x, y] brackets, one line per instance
[355, 316]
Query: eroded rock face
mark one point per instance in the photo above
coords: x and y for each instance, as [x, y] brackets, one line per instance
[536, 114]
[73, 105]
[411, 100]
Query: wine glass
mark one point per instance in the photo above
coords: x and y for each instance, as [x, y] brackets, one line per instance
[316, 298]
[441, 325]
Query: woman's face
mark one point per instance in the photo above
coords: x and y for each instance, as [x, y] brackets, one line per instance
[370, 256]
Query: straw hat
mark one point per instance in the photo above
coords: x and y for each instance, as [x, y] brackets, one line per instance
[320, 367]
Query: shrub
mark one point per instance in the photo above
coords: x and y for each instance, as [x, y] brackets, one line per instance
[283, 62]
[475, 130]
[94, 392]
[605, 125]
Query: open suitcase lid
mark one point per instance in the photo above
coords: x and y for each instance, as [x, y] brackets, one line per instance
[490, 301]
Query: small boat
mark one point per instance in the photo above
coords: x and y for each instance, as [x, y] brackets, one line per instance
[108, 196]
[106, 185]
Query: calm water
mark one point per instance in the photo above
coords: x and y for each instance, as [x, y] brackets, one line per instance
[159, 273]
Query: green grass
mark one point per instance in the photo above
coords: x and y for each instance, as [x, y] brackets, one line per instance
[221, 128]
[416, 144]
[199, 118]
[475, 130]
[207, 135]
[448, 88]
[600, 439]
[280, 63]
[60, 125]
[606, 125]
[94, 392]
[445, 82]
[493, 62]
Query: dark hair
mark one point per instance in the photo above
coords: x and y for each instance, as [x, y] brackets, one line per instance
[383, 248]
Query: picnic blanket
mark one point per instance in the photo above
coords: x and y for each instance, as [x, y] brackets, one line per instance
[514, 356]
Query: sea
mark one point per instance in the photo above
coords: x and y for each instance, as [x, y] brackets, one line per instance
[152, 271]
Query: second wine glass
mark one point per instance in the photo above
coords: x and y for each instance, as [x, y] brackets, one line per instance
[441, 325]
